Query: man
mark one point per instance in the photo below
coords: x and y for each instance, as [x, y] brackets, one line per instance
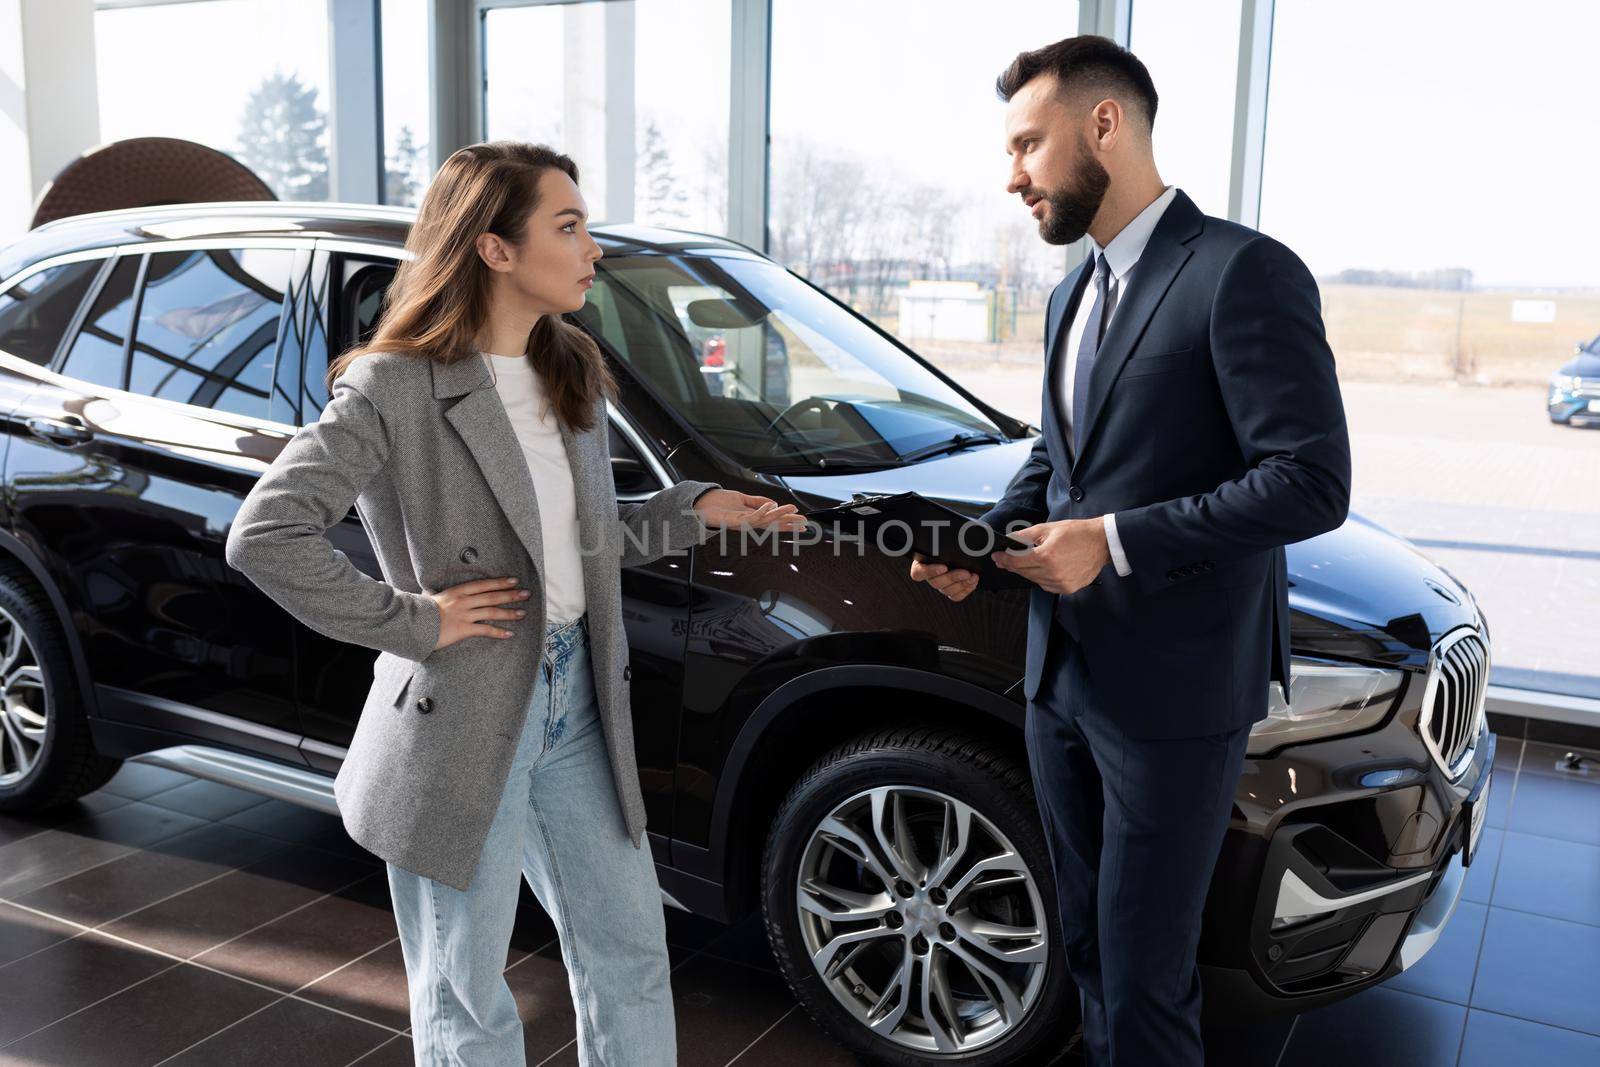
[1192, 427]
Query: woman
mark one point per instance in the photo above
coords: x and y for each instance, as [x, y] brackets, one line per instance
[496, 741]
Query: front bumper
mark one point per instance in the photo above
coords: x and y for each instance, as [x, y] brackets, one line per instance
[1329, 918]
[1572, 408]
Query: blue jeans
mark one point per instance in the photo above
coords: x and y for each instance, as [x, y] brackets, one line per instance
[558, 825]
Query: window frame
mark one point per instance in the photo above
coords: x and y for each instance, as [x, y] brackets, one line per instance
[104, 255]
[634, 439]
[69, 339]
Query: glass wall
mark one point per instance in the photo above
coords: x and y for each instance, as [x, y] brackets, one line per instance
[636, 91]
[888, 178]
[1192, 53]
[1437, 178]
[248, 77]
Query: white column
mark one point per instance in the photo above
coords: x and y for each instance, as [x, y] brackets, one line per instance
[1108, 18]
[49, 100]
[355, 91]
[597, 104]
[749, 122]
[621, 149]
[1250, 111]
[455, 77]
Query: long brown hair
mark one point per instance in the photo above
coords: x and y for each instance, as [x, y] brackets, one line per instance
[439, 298]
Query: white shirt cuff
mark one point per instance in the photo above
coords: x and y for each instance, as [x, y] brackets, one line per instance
[1119, 559]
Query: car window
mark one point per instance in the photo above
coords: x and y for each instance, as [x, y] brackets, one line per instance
[315, 348]
[752, 362]
[769, 369]
[284, 404]
[644, 334]
[36, 313]
[96, 354]
[363, 301]
[603, 314]
[359, 306]
[208, 327]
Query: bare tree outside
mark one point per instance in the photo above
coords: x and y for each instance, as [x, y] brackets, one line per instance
[866, 231]
[662, 198]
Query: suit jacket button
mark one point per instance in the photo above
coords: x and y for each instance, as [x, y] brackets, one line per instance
[627, 672]
[425, 705]
[1076, 493]
[468, 554]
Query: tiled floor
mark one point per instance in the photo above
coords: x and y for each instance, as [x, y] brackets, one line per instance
[173, 921]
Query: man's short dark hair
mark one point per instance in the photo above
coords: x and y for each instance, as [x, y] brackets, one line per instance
[1086, 62]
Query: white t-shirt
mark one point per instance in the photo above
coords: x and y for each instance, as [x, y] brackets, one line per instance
[534, 420]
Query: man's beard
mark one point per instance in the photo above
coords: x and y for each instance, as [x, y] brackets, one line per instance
[1072, 209]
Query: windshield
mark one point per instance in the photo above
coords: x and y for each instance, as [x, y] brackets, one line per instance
[769, 369]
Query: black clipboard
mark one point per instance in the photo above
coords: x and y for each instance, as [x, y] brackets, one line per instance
[941, 534]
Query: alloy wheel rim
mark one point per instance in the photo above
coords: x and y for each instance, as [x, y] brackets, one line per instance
[24, 703]
[922, 919]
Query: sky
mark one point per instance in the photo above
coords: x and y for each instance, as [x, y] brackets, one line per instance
[1402, 134]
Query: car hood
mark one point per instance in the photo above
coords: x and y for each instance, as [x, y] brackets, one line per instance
[1359, 590]
[1585, 364]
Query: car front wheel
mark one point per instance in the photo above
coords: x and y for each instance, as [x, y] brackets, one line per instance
[907, 895]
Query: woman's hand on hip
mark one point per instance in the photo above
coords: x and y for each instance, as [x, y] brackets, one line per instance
[732, 510]
[469, 609]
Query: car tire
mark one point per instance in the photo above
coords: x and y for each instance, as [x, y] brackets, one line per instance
[923, 771]
[38, 681]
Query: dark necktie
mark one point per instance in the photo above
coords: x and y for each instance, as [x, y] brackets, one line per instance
[1094, 331]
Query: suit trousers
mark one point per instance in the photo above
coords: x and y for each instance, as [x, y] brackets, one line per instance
[1134, 827]
[560, 826]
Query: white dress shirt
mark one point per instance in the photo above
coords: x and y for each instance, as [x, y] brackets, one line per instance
[1121, 255]
[522, 393]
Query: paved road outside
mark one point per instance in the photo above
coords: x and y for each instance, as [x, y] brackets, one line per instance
[1481, 481]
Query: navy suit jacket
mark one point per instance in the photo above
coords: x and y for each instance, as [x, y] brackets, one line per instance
[1214, 429]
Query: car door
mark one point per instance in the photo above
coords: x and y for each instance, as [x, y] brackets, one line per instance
[333, 677]
[38, 306]
[140, 446]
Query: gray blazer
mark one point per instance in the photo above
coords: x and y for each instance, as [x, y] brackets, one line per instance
[427, 455]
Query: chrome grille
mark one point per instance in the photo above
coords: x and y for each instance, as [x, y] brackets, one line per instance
[1452, 706]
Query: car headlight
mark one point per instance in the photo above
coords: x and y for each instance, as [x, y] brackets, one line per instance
[1329, 699]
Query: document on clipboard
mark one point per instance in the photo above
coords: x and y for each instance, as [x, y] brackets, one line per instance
[901, 522]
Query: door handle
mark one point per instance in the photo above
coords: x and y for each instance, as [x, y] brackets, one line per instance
[67, 430]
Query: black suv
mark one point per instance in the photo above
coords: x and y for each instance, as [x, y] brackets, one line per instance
[811, 725]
